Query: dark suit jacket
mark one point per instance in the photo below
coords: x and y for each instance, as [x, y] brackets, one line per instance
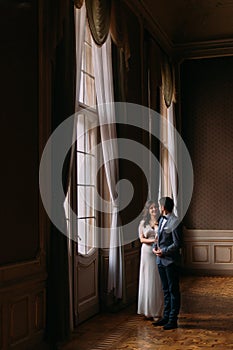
[169, 240]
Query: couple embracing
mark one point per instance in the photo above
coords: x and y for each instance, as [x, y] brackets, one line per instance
[161, 236]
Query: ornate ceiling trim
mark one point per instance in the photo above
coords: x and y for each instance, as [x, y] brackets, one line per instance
[203, 49]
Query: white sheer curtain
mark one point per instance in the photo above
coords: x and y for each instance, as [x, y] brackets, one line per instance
[80, 20]
[168, 154]
[80, 24]
[102, 59]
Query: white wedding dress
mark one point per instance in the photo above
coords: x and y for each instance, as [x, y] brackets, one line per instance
[150, 294]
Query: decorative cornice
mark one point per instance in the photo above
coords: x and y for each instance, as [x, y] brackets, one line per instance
[189, 50]
[203, 49]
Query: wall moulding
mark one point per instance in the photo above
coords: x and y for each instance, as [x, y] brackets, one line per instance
[24, 269]
[208, 251]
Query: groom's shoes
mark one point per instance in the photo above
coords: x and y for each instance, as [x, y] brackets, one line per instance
[166, 324]
[161, 322]
[170, 325]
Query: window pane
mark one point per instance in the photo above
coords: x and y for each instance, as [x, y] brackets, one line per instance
[89, 202]
[90, 95]
[90, 170]
[86, 169]
[87, 94]
[81, 171]
[87, 64]
[81, 194]
[90, 233]
[90, 137]
[82, 236]
[82, 89]
[80, 133]
[86, 235]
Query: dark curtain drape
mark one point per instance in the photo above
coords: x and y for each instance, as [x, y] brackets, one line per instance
[119, 32]
[63, 105]
[154, 60]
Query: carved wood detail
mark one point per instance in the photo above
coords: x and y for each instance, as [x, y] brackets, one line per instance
[19, 319]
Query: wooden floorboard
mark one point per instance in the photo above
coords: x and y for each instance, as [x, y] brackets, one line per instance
[205, 322]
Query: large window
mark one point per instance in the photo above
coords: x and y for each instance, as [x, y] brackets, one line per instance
[87, 95]
[86, 154]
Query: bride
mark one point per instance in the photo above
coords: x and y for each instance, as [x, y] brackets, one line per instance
[150, 295]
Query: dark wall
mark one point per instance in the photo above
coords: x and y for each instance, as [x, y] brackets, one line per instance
[19, 131]
[207, 129]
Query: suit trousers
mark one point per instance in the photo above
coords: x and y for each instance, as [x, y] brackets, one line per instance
[171, 289]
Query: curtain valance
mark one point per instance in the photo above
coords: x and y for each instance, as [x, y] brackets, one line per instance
[98, 14]
[104, 16]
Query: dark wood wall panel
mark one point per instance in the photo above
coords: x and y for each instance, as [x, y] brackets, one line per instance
[22, 250]
[19, 320]
[1, 327]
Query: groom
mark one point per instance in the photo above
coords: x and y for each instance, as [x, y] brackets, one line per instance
[167, 251]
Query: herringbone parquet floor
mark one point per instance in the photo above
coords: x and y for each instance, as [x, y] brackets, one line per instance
[205, 322]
